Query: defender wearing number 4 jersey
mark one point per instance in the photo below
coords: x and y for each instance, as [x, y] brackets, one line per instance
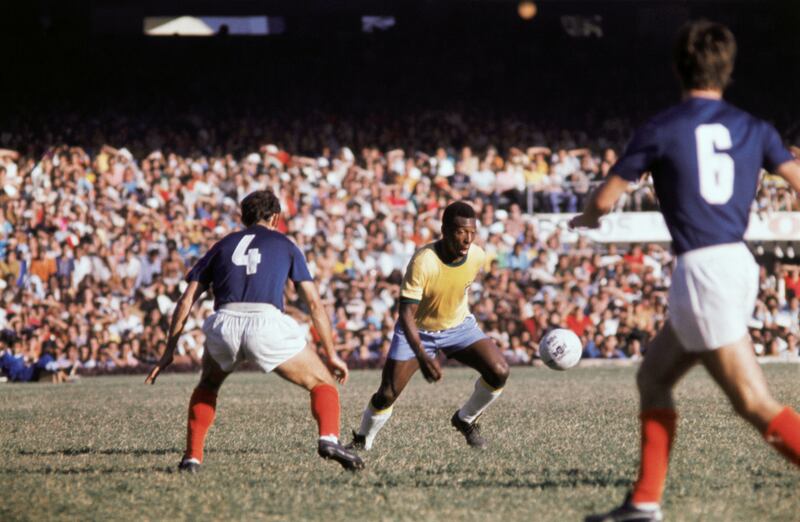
[705, 157]
[248, 271]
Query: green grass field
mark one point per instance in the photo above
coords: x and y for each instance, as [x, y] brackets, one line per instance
[562, 445]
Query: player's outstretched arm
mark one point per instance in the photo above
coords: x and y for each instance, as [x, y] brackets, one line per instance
[601, 202]
[179, 316]
[790, 171]
[308, 290]
[430, 367]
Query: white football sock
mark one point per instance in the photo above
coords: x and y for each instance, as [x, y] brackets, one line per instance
[371, 423]
[330, 438]
[646, 506]
[481, 398]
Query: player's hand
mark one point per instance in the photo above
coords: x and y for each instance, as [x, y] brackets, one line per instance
[430, 368]
[165, 361]
[583, 221]
[338, 368]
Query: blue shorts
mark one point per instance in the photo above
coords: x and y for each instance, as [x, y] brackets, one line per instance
[448, 341]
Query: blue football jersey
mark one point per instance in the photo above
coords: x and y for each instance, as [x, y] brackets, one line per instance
[250, 266]
[705, 156]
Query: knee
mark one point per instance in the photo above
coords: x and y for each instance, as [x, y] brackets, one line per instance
[641, 381]
[497, 375]
[383, 398]
[752, 406]
[209, 385]
[650, 388]
[312, 381]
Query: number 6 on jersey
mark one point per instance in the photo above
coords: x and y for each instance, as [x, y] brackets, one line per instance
[250, 259]
[714, 166]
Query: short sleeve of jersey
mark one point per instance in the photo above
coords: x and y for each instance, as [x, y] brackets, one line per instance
[774, 152]
[203, 270]
[299, 270]
[640, 154]
[414, 280]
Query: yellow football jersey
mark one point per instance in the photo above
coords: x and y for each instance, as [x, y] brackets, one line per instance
[440, 288]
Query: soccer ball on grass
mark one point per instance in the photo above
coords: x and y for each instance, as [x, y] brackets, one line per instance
[560, 349]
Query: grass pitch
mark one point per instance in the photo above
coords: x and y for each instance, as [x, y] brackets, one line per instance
[563, 444]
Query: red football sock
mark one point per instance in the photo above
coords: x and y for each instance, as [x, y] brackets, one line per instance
[325, 407]
[783, 433]
[202, 408]
[658, 432]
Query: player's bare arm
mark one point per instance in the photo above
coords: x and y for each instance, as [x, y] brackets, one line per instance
[430, 367]
[601, 202]
[309, 293]
[790, 171]
[179, 316]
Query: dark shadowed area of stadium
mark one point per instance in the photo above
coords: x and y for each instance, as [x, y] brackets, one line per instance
[561, 444]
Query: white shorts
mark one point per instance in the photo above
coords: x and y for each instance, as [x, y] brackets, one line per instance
[255, 331]
[712, 296]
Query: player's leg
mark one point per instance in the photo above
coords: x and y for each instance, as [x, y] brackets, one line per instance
[306, 369]
[738, 373]
[202, 410]
[481, 354]
[400, 366]
[223, 333]
[665, 362]
[275, 341]
[484, 357]
[394, 378]
[707, 298]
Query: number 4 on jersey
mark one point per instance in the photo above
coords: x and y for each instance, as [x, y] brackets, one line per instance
[713, 164]
[243, 257]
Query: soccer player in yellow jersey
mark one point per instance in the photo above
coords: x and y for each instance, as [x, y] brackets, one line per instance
[434, 316]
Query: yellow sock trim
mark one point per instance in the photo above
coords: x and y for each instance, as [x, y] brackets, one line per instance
[380, 412]
[489, 387]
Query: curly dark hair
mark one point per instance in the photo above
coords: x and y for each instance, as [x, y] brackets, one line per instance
[454, 210]
[259, 205]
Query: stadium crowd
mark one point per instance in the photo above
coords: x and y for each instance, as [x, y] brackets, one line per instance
[94, 243]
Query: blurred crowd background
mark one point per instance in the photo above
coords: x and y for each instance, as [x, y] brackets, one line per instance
[123, 158]
[94, 248]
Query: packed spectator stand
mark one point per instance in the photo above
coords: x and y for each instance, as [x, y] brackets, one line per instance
[95, 239]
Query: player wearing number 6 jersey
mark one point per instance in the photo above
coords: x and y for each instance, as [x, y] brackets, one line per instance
[248, 271]
[705, 157]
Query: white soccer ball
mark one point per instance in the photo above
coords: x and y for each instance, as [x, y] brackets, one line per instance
[560, 349]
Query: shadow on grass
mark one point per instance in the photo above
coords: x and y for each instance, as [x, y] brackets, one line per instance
[553, 479]
[135, 452]
[763, 479]
[88, 470]
[74, 452]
